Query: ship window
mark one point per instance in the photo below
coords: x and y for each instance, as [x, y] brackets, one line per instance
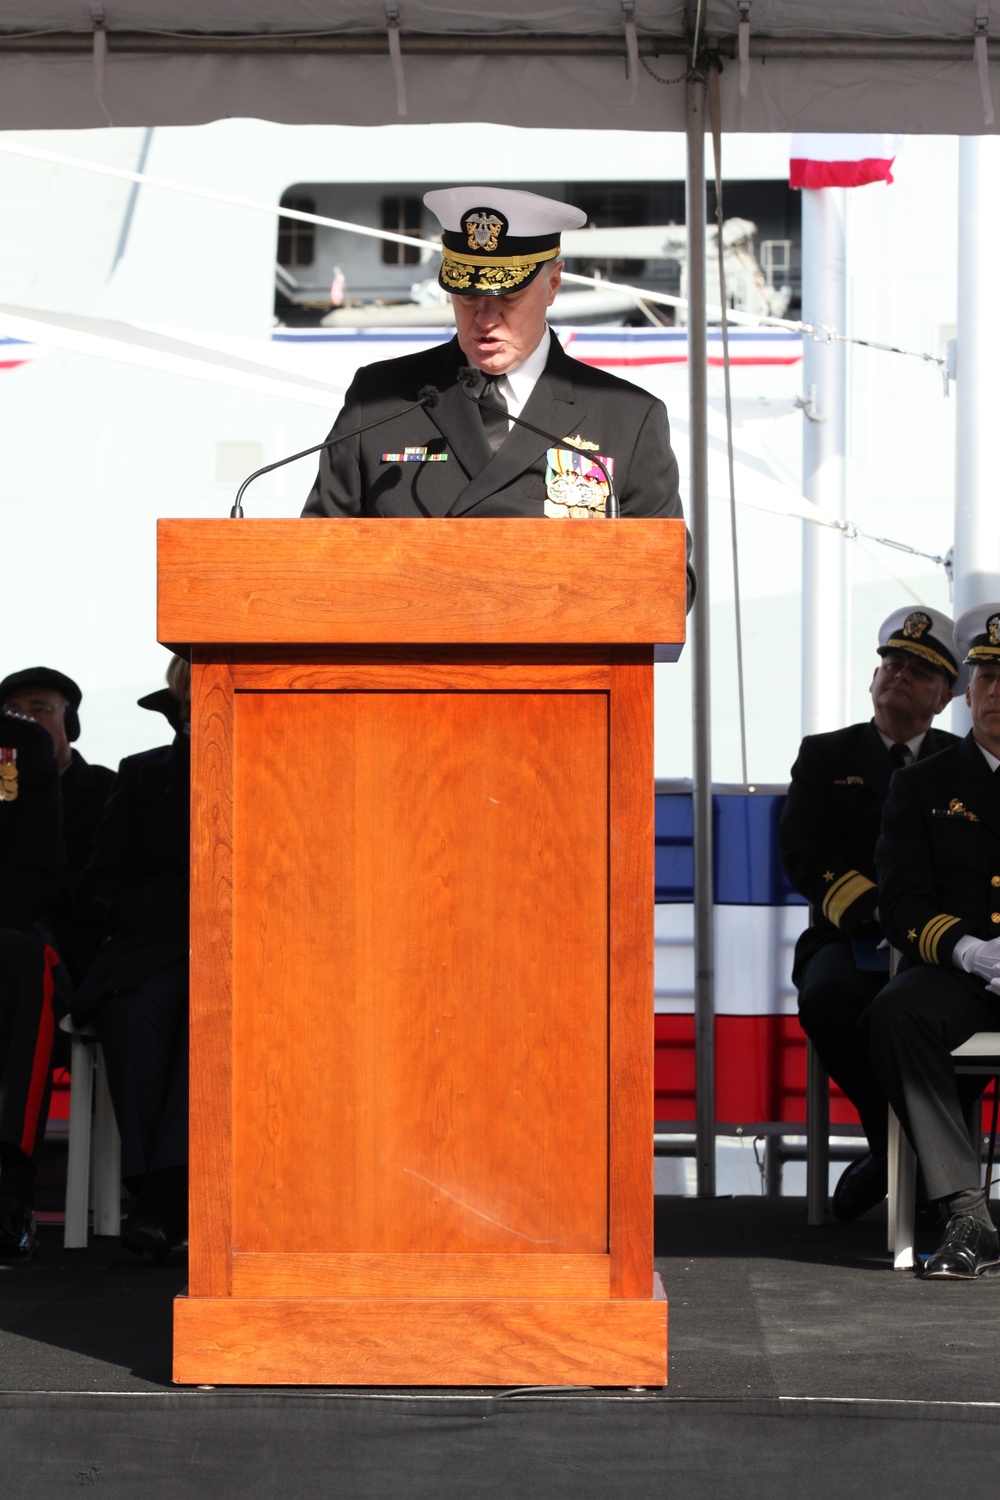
[296, 240]
[401, 216]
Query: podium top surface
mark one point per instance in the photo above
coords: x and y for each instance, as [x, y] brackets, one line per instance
[412, 581]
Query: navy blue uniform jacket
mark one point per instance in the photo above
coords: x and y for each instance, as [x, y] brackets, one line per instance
[570, 400]
[139, 872]
[938, 856]
[830, 825]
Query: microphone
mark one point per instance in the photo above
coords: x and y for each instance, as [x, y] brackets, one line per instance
[427, 397]
[469, 376]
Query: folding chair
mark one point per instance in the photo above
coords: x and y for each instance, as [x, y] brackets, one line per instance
[93, 1168]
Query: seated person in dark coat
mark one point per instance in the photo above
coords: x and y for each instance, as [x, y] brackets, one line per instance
[500, 264]
[135, 994]
[31, 859]
[53, 699]
[829, 827]
[938, 860]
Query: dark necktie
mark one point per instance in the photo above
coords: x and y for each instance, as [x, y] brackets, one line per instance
[899, 755]
[495, 423]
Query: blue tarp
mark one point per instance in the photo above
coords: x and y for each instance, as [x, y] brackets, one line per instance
[745, 864]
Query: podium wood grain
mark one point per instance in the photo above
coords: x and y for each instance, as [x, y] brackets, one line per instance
[420, 581]
[421, 1009]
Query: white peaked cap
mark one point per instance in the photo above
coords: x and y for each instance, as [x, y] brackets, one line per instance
[527, 214]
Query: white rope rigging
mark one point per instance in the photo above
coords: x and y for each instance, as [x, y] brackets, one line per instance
[820, 332]
[88, 336]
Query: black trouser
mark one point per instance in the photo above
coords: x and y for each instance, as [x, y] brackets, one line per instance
[144, 1034]
[833, 995]
[27, 1028]
[914, 1024]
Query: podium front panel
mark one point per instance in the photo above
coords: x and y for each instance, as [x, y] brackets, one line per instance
[420, 975]
[421, 1016]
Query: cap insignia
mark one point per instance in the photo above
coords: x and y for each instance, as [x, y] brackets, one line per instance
[484, 229]
[993, 629]
[916, 625]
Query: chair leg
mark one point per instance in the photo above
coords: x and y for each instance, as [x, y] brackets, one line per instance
[902, 1196]
[107, 1158]
[81, 1090]
[817, 1137]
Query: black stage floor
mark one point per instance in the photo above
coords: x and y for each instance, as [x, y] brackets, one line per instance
[798, 1360]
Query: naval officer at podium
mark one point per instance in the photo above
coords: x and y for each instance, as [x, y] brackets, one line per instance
[453, 457]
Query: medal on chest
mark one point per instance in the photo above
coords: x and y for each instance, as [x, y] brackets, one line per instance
[8, 775]
[575, 487]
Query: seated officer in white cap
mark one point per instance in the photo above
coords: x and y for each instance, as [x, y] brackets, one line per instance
[500, 262]
[938, 861]
[829, 827]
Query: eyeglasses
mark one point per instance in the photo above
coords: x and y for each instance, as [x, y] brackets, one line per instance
[35, 708]
[893, 663]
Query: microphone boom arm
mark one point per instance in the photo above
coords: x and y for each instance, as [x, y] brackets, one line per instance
[427, 397]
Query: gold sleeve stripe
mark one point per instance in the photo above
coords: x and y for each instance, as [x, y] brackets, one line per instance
[931, 936]
[843, 894]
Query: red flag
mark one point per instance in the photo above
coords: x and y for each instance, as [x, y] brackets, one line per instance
[819, 161]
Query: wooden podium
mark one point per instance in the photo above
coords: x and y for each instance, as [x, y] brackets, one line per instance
[422, 928]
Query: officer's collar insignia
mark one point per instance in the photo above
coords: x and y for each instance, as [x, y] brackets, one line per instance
[484, 226]
[916, 625]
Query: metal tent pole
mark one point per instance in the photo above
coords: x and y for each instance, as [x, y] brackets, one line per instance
[977, 385]
[704, 923]
[825, 616]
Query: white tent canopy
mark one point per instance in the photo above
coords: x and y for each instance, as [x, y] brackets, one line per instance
[886, 65]
[872, 66]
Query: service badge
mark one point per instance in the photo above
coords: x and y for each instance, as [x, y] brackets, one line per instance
[575, 486]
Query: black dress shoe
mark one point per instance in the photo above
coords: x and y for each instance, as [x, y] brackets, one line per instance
[144, 1234]
[927, 1214]
[862, 1185]
[17, 1229]
[968, 1247]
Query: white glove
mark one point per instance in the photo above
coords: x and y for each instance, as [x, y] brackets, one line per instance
[994, 986]
[982, 958]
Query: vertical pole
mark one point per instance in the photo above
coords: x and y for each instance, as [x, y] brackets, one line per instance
[977, 385]
[704, 923]
[825, 613]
